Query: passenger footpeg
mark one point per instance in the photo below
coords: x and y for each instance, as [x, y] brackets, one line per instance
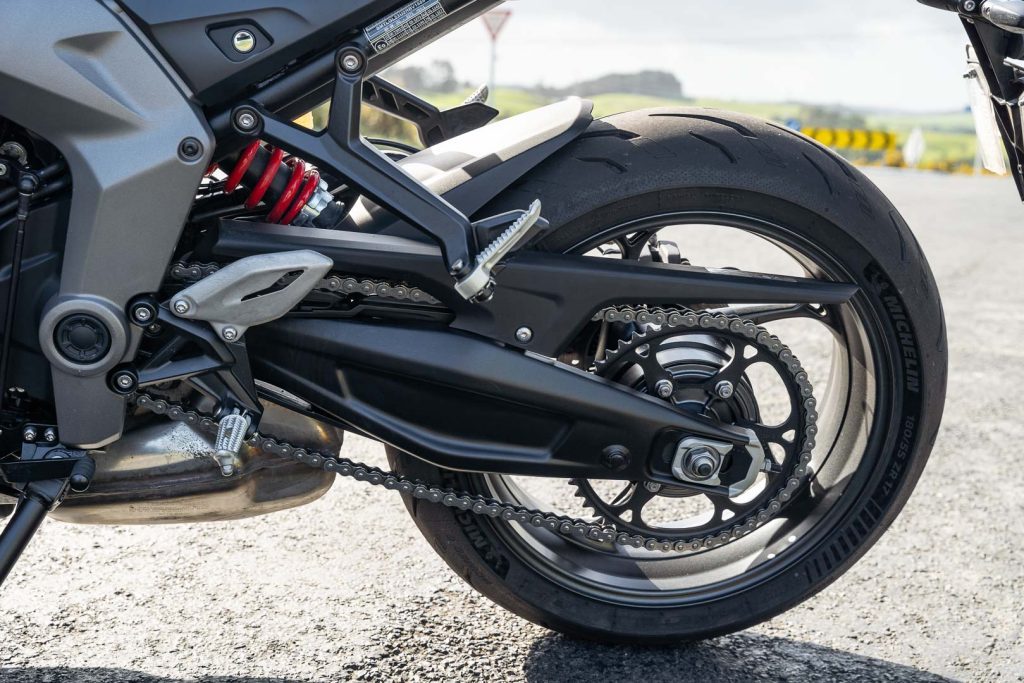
[479, 284]
[230, 435]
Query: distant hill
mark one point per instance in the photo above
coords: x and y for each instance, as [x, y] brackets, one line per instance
[648, 83]
[439, 77]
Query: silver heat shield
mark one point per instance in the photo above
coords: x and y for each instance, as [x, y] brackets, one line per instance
[162, 473]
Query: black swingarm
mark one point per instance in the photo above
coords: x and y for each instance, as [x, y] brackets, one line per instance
[469, 404]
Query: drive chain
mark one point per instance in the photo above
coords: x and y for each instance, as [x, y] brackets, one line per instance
[194, 272]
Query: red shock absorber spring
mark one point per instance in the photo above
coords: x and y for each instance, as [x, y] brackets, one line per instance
[244, 162]
[302, 182]
[312, 182]
[267, 177]
[284, 202]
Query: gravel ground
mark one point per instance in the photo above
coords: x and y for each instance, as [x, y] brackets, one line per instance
[345, 589]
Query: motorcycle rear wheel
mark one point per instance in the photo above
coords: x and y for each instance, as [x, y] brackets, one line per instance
[688, 170]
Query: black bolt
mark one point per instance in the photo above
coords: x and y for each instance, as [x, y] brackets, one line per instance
[616, 458]
[190, 149]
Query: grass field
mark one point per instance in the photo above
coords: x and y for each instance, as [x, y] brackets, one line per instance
[949, 137]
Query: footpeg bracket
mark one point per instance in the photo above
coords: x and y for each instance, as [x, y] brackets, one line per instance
[249, 291]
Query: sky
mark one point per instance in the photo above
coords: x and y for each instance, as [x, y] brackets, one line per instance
[877, 54]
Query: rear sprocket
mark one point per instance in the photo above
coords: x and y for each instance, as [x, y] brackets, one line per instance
[701, 363]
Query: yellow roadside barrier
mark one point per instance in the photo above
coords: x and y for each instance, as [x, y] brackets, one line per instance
[860, 140]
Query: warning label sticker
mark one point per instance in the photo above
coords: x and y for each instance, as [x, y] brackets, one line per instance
[404, 24]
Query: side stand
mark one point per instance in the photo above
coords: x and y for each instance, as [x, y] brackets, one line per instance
[43, 478]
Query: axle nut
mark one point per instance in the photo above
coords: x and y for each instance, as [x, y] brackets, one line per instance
[701, 464]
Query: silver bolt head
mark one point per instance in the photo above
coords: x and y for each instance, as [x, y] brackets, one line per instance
[229, 333]
[970, 5]
[524, 335]
[125, 381]
[143, 314]
[725, 389]
[29, 434]
[652, 486]
[3, 168]
[351, 62]
[665, 388]
[181, 307]
[50, 435]
[246, 120]
[243, 41]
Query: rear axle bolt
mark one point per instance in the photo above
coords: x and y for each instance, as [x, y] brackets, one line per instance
[701, 464]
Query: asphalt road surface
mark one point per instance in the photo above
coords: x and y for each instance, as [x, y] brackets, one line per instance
[345, 589]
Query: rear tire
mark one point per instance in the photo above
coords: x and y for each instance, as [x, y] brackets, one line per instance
[676, 160]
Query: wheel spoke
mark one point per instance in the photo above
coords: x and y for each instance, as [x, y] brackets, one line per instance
[733, 371]
[640, 498]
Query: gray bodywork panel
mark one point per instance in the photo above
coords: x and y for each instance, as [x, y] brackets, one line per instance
[71, 72]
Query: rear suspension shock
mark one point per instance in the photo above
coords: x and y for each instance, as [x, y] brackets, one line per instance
[290, 189]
